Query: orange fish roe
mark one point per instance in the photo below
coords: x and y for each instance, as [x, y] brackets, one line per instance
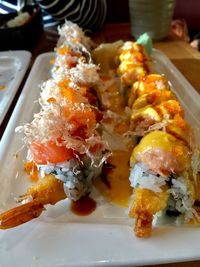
[170, 108]
[178, 150]
[65, 50]
[64, 83]
[32, 170]
[51, 100]
[173, 107]
[180, 122]
[151, 82]
[156, 96]
[81, 121]
[71, 94]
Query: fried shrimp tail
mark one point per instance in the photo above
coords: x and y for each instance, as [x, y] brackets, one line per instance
[146, 204]
[143, 225]
[47, 190]
[21, 214]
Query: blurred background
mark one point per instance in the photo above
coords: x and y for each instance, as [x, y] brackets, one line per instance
[185, 23]
[186, 19]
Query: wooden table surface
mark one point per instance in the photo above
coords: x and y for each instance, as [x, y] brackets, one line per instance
[184, 57]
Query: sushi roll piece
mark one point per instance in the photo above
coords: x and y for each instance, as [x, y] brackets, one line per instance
[154, 97]
[151, 117]
[162, 180]
[148, 85]
[134, 63]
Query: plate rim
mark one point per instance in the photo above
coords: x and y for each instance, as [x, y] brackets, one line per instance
[108, 230]
[24, 56]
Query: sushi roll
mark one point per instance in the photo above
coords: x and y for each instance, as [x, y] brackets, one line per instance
[63, 139]
[66, 150]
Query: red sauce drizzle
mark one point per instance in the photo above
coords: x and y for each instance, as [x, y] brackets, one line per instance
[84, 206]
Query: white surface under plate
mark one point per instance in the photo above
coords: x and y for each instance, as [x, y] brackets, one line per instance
[105, 238]
[13, 65]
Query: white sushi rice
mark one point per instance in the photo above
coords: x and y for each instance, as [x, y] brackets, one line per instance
[180, 199]
[76, 176]
[142, 177]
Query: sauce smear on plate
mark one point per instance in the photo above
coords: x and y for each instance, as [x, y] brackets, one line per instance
[115, 185]
[84, 206]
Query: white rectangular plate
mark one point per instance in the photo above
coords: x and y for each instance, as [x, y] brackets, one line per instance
[13, 65]
[105, 238]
